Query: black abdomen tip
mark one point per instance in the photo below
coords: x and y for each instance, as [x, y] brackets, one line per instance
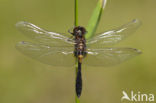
[79, 81]
[78, 89]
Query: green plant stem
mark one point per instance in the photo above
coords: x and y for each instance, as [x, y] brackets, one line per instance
[76, 61]
[77, 99]
[76, 12]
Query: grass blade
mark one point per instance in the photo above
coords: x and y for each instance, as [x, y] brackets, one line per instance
[95, 18]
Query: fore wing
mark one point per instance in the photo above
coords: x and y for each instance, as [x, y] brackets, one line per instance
[109, 56]
[56, 56]
[114, 36]
[40, 35]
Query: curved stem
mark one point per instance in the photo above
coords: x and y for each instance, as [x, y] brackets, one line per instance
[95, 18]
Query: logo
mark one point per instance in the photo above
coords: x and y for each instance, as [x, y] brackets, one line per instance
[137, 97]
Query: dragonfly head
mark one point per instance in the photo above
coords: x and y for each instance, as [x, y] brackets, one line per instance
[79, 31]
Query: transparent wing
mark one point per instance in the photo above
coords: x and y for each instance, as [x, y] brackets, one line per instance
[40, 35]
[55, 56]
[109, 56]
[114, 36]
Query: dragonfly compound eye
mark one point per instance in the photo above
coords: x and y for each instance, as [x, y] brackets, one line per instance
[79, 31]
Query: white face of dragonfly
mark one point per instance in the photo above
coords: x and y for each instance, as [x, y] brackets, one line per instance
[79, 33]
[57, 49]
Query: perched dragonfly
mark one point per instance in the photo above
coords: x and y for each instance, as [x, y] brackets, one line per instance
[61, 49]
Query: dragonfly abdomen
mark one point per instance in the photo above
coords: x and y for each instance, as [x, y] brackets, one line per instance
[79, 81]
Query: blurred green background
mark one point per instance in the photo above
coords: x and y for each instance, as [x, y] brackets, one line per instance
[23, 80]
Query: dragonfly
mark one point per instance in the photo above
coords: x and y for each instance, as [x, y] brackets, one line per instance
[59, 49]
